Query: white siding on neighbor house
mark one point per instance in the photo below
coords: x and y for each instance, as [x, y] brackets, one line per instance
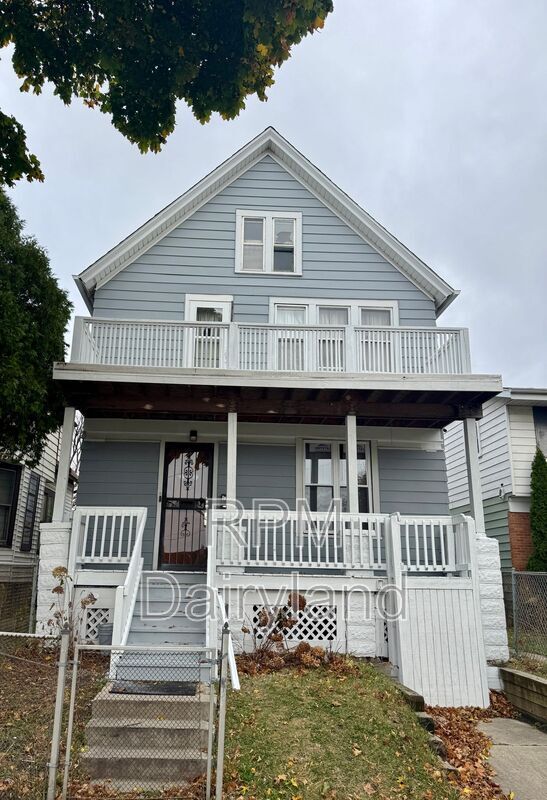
[494, 459]
[199, 257]
[523, 447]
[14, 564]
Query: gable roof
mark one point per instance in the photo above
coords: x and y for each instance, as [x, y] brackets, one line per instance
[269, 142]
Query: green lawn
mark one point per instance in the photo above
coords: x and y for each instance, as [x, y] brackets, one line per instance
[321, 734]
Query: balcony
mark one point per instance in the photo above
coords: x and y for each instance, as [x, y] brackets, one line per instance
[271, 348]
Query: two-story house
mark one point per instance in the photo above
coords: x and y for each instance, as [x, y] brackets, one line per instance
[265, 342]
[513, 425]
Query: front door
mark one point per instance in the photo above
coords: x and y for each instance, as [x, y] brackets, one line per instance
[187, 483]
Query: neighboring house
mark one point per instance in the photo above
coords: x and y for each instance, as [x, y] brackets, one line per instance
[514, 424]
[263, 339]
[26, 500]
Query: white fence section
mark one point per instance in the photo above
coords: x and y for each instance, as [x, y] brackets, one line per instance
[287, 348]
[436, 641]
[441, 643]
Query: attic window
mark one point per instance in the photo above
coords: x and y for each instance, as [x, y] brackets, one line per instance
[269, 242]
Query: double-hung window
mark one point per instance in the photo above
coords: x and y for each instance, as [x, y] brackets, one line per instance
[269, 242]
[9, 491]
[325, 475]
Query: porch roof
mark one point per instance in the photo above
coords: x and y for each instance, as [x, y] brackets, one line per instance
[403, 401]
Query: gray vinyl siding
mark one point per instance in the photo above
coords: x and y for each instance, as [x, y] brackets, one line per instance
[263, 471]
[412, 482]
[122, 474]
[494, 458]
[199, 257]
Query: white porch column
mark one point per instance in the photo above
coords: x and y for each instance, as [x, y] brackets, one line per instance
[351, 463]
[63, 468]
[474, 475]
[231, 457]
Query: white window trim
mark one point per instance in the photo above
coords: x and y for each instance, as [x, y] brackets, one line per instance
[354, 306]
[223, 301]
[268, 217]
[372, 474]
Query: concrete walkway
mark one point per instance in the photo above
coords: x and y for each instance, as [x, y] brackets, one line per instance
[519, 757]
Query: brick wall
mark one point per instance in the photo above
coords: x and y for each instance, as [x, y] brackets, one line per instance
[520, 538]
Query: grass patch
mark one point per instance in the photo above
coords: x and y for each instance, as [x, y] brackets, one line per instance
[320, 734]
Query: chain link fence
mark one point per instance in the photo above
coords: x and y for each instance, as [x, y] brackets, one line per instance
[141, 722]
[92, 721]
[28, 680]
[530, 614]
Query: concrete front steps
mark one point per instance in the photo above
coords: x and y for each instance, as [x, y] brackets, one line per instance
[153, 741]
[147, 742]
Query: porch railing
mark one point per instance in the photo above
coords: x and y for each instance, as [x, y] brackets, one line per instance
[105, 536]
[269, 539]
[264, 347]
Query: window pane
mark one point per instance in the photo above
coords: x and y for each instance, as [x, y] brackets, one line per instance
[319, 498]
[209, 315]
[283, 260]
[4, 524]
[375, 316]
[331, 315]
[364, 506]
[283, 237]
[253, 230]
[318, 464]
[290, 315]
[284, 232]
[361, 465]
[253, 256]
[7, 484]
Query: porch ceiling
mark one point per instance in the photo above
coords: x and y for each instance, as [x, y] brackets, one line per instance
[285, 404]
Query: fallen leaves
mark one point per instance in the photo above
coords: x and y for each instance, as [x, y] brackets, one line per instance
[467, 748]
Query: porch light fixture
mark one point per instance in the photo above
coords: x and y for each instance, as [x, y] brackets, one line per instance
[148, 406]
[193, 436]
[220, 405]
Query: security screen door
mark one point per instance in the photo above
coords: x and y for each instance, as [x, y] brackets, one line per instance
[187, 483]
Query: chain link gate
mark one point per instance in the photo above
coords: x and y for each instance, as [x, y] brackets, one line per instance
[143, 722]
[28, 680]
[530, 614]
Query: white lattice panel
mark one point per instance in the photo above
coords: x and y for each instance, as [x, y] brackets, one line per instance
[94, 617]
[314, 623]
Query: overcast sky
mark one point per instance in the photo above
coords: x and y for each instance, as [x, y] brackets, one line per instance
[431, 114]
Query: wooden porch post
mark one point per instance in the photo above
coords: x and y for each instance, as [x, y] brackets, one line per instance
[351, 463]
[231, 457]
[63, 468]
[474, 474]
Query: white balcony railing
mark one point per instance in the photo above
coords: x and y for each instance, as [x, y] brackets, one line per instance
[272, 348]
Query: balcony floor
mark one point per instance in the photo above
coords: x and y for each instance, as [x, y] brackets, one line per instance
[403, 401]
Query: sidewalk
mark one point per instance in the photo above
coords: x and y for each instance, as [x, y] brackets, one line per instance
[519, 757]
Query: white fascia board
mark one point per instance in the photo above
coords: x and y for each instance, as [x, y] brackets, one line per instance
[269, 142]
[525, 397]
[204, 377]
